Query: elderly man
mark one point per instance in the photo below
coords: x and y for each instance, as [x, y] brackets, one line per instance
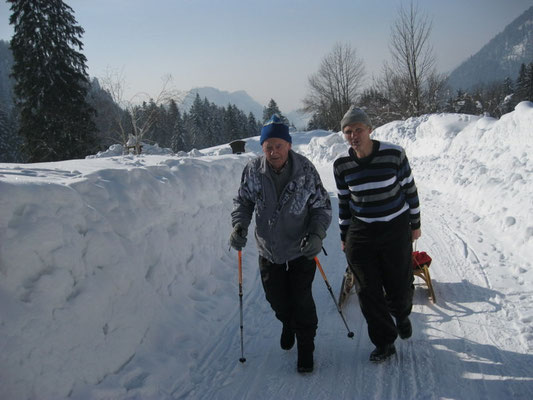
[379, 216]
[292, 214]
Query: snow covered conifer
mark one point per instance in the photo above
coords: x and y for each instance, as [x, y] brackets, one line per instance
[9, 142]
[51, 81]
[524, 83]
[272, 109]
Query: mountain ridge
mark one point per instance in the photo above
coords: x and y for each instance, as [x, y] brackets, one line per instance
[500, 58]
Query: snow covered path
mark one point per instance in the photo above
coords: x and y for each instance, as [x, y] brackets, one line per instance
[465, 346]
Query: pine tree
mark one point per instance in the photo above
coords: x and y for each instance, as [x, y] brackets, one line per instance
[195, 124]
[212, 123]
[317, 121]
[177, 139]
[521, 84]
[507, 86]
[51, 82]
[185, 137]
[272, 109]
[106, 114]
[152, 117]
[5, 134]
[6, 83]
[253, 128]
[230, 128]
[169, 122]
[528, 83]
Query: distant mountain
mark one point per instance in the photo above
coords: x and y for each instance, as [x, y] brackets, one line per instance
[221, 98]
[500, 58]
[241, 100]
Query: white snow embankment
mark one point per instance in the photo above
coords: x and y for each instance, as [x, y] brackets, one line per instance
[92, 264]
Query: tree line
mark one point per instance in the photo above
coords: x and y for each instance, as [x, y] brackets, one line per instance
[155, 121]
[494, 99]
[58, 113]
[497, 98]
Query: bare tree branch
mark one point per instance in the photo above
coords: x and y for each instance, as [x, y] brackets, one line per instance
[335, 86]
[411, 75]
[131, 123]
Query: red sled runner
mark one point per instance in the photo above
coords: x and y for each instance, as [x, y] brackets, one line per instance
[421, 263]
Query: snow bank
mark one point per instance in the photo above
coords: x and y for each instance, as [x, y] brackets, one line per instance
[118, 150]
[92, 263]
[484, 162]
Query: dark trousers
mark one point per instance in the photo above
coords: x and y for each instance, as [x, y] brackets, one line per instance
[381, 258]
[288, 289]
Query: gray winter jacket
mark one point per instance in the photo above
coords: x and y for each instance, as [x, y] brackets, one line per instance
[303, 207]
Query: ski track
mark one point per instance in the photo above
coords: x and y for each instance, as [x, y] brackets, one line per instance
[439, 361]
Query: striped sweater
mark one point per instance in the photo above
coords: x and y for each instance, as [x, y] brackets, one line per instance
[379, 187]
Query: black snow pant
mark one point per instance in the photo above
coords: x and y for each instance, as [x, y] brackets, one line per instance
[288, 289]
[380, 256]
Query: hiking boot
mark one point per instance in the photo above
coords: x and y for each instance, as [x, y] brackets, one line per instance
[305, 356]
[405, 330]
[381, 353]
[287, 338]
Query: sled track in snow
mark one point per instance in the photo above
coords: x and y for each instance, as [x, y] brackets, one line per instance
[472, 324]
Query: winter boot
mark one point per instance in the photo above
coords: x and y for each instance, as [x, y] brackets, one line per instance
[381, 353]
[405, 330]
[287, 338]
[305, 356]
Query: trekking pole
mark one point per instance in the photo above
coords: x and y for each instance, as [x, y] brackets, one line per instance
[350, 333]
[242, 359]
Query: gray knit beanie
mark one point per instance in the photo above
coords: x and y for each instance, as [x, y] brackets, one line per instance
[353, 116]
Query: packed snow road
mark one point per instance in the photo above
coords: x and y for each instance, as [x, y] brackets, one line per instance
[467, 345]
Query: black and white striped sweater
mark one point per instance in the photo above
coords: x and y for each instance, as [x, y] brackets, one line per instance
[379, 187]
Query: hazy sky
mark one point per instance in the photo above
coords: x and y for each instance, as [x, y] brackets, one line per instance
[267, 48]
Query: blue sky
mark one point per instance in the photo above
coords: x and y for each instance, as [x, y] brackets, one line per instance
[267, 48]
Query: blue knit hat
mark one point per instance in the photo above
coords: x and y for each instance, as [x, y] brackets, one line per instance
[275, 128]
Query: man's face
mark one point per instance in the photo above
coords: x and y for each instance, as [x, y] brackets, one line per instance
[358, 136]
[277, 152]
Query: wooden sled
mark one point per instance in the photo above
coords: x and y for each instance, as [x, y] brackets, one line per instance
[421, 263]
[348, 282]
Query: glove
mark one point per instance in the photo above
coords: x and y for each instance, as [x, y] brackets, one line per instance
[311, 245]
[237, 240]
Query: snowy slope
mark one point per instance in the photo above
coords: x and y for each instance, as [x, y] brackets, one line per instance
[116, 281]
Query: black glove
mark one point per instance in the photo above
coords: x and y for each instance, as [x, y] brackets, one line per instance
[237, 240]
[311, 245]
